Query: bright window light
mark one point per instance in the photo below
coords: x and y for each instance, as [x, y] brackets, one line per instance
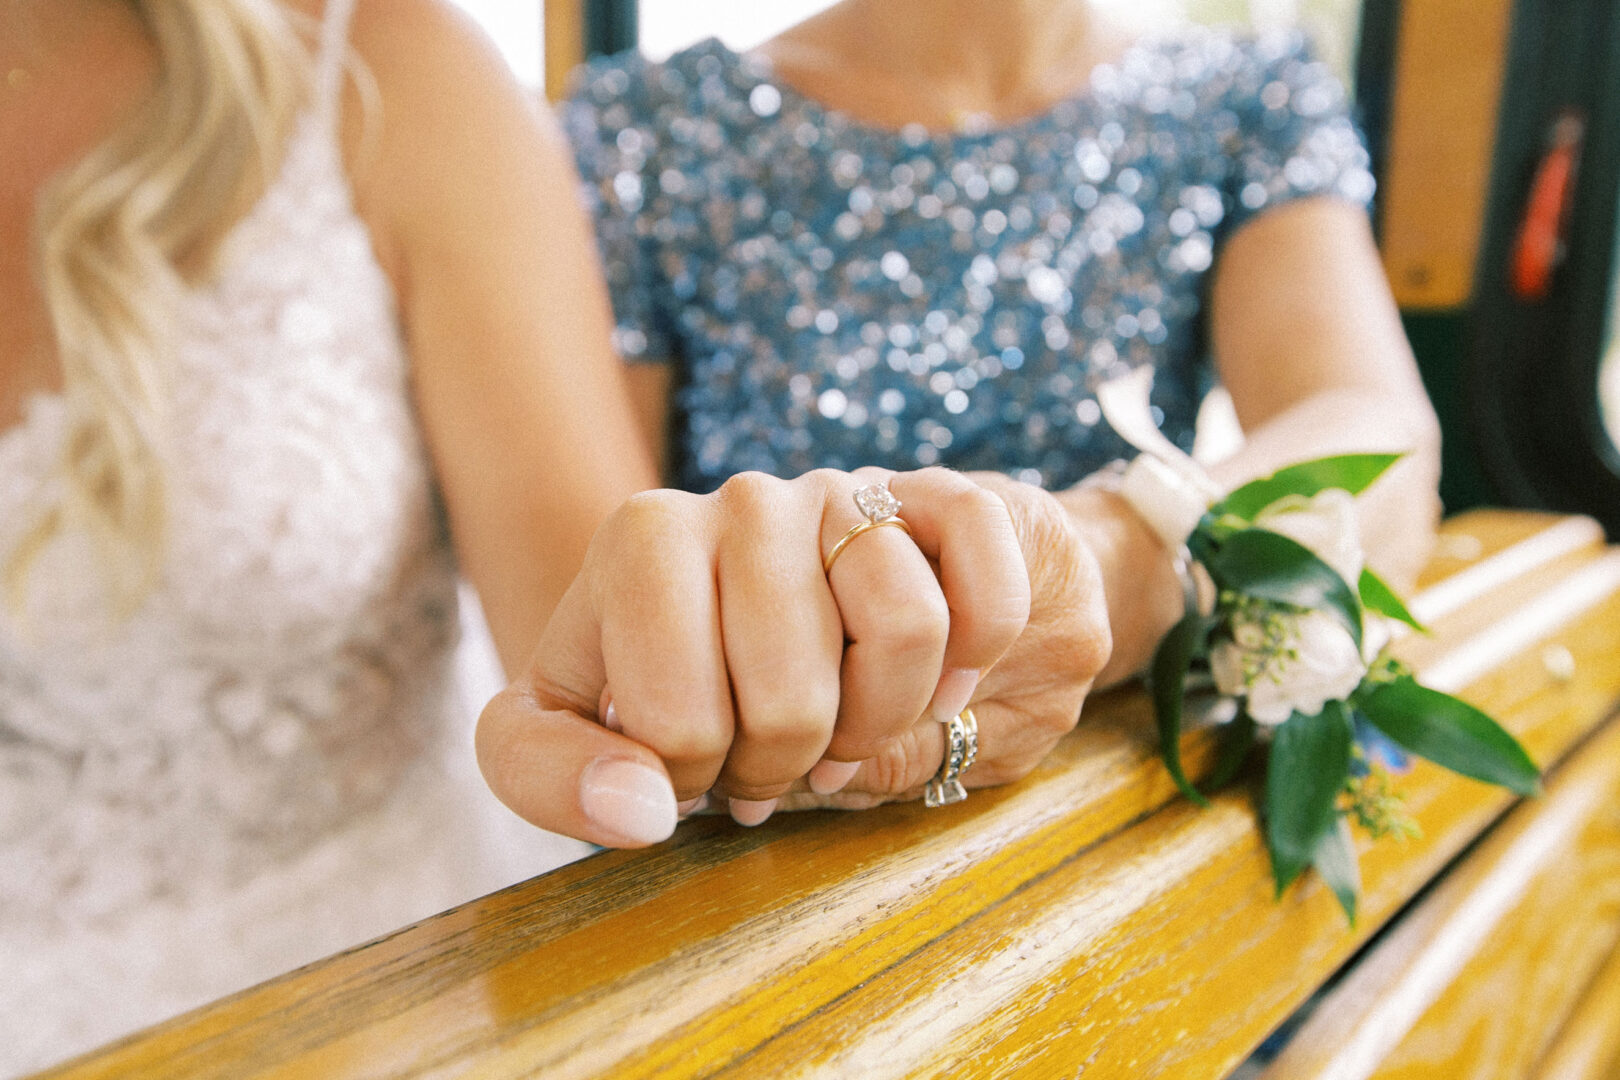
[668, 26]
[515, 26]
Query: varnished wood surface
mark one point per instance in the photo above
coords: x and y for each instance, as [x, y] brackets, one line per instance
[1449, 64]
[1475, 982]
[1079, 922]
[1588, 1045]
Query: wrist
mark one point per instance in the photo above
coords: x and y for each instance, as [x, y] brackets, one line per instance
[1141, 585]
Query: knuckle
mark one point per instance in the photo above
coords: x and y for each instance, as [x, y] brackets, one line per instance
[1059, 721]
[491, 742]
[896, 766]
[1093, 650]
[996, 620]
[978, 503]
[825, 479]
[914, 624]
[940, 476]
[787, 723]
[753, 790]
[750, 494]
[642, 518]
[691, 743]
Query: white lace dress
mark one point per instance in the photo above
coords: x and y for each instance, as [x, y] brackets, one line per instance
[271, 760]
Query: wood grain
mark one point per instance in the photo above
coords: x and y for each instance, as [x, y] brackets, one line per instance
[1448, 77]
[1080, 921]
[1588, 1045]
[1474, 982]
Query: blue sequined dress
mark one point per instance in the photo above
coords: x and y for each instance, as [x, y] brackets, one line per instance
[839, 295]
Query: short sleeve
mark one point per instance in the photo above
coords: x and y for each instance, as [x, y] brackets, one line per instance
[1294, 137]
[608, 123]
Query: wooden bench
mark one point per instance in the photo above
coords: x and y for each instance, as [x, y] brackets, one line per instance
[1085, 921]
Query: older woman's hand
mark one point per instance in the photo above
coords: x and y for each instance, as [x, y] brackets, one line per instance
[704, 648]
[1033, 695]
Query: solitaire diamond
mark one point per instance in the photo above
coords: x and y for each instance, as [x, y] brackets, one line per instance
[877, 502]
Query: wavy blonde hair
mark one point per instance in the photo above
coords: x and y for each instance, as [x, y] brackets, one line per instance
[121, 233]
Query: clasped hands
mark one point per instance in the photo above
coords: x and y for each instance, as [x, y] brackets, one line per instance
[702, 650]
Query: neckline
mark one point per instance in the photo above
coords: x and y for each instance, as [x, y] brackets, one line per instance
[759, 71]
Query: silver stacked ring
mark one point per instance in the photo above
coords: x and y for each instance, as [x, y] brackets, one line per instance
[961, 750]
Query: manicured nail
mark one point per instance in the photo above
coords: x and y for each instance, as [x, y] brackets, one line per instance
[610, 718]
[628, 799]
[955, 690]
[828, 777]
[750, 811]
[692, 806]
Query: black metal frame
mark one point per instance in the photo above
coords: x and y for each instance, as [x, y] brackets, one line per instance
[1530, 376]
[610, 27]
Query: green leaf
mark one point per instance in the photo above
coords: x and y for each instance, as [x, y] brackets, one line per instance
[1235, 747]
[1352, 472]
[1310, 759]
[1335, 860]
[1451, 733]
[1272, 567]
[1169, 678]
[1377, 596]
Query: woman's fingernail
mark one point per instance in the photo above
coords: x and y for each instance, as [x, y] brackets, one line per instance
[610, 718]
[751, 811]
[828, 777]
[692, 806]
[628, 799]
[955, 690]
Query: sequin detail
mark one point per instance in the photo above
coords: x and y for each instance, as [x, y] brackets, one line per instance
[838, 295]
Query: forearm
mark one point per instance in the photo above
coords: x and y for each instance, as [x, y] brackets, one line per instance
[1397, 514]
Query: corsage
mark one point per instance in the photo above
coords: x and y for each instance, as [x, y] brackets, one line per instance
[1291, 626]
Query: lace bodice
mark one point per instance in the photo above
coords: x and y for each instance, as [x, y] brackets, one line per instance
[275, 678]
[275, 719]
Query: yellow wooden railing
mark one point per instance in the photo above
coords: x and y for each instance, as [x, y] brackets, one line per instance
[1083, 922]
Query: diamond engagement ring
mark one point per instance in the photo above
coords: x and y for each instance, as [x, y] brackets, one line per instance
[880, 506]
[961, 749]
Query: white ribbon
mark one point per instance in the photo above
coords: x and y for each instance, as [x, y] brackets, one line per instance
[1164, 485]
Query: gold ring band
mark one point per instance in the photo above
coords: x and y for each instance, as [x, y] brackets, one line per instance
[961, 750]
[865, 526]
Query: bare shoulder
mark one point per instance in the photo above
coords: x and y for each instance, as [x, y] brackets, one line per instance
[434, 119]
[406, 40]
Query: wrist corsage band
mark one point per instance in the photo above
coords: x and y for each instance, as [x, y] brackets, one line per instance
[1291, 626]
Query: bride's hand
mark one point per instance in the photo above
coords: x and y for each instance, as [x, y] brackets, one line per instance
[703, 648]
[1033, 696]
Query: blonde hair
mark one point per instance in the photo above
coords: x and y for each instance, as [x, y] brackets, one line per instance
[120, 234]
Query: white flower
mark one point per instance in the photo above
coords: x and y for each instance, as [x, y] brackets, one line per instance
[1285, 663]
[1324, 523]
[1375, 634]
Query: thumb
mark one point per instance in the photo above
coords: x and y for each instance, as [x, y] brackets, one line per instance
[552, 764]
[562, 772]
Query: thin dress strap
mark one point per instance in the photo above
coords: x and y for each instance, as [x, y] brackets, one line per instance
[329, 63]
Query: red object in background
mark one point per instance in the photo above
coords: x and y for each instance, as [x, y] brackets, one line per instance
[1540, 245]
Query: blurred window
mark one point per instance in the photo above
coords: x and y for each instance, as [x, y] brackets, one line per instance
[515, 26]
[1609, 368]
[670, 25]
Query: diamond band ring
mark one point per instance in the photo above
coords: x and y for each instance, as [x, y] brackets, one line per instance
[961, 748]
[879, 506]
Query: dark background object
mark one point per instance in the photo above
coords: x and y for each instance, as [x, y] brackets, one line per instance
[610, 27]
[1529, 372]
